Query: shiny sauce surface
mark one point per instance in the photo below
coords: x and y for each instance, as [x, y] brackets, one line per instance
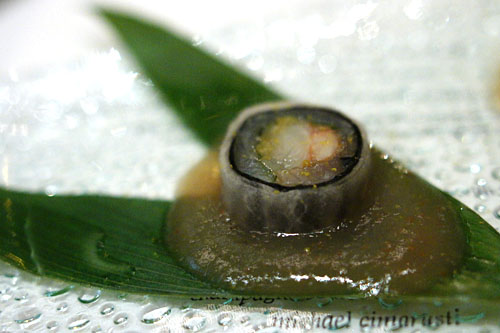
[402, 237]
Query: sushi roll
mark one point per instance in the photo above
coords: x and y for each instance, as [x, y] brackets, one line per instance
[292, 167]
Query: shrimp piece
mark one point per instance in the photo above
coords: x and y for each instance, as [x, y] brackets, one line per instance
[293, 148]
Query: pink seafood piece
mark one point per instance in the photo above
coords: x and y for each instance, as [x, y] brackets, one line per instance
[299, 152]
[324, 143]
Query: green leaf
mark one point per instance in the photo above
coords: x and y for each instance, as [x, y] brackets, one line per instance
[480, 273]
[97, 240]
[205, 92]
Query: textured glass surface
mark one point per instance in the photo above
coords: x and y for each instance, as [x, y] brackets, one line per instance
[419, 75]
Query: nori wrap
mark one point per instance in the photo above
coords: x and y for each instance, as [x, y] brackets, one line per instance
[292, 167]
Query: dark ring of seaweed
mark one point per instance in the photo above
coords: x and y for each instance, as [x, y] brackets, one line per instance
[335, 179]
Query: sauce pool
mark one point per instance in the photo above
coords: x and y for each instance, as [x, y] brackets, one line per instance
[401, 237]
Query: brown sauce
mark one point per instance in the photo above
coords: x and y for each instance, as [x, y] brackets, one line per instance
[403, 238]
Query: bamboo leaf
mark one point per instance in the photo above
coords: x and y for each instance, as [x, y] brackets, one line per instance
[480, 273]
[97, 240]
[205, 92]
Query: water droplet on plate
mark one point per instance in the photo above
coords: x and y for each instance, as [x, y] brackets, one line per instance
[89, 296]
[480, 208]
[120, 319]
[482, 190]
[368, 31]
[244, 319]
[194, 321]
[481, 182]
[97, 329]
[225, 319]
[471, 319]
[197, 40]
[5, 293]
[107, 309]
[464, 166]
[27, 316]
[12, 275]
[52, 325]
[324, 302]
[57, 291]
[78, 322]
[474, 168]
[186, 307]
[62, 307]
[21, 296]
[496, 212]
[459, 191]
[265, 329]
[51, 190]
[155, 315]
[434, 325]
[389, 305]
